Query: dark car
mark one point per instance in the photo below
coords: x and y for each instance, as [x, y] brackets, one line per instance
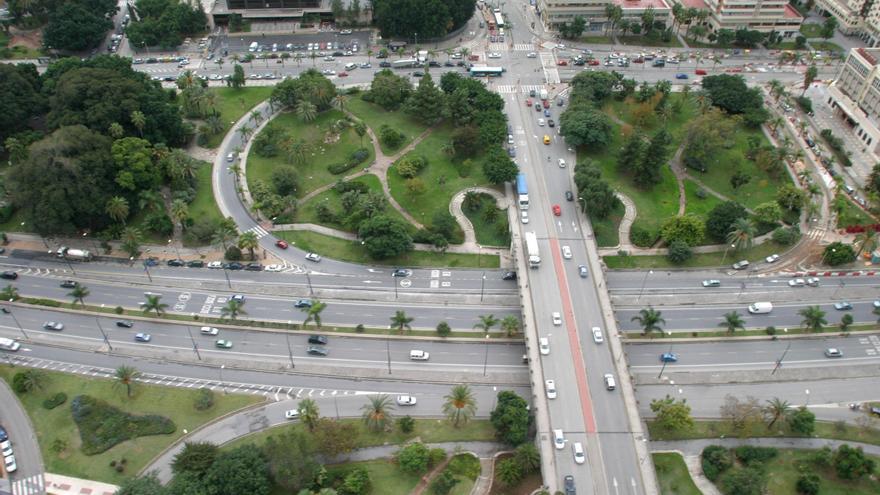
[124, 323]
[317, 339]
[233, 266]
[303, 303]
[316, 351]
[401, 272]
[254, 267]
[433, 63]
[8, 275]
[569, 485]
[176, 263]
[151, 262]
[508, 276]
[69, 284]
[668, 357]
[569, 196]
[551, 123]
[448, 64]
[384, 64]
[3, 435]
[418, 74]
[195, 264]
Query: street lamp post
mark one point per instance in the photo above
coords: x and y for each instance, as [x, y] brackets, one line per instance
[289, 350]
[486, 357]
[388, 352]
[195, 346]
[226, 274]
[176, 250]
[725, 253]
[482, 286]
[222, 367]
[644, 282]
[309, 280]
[103, 333]
[20, 328]
[147, 270]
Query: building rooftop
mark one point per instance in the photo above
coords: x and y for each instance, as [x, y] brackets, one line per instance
[643, 4]
[791, 12]
[869, 54]
[697, 4]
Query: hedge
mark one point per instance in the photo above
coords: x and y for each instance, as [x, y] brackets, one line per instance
[101, 426]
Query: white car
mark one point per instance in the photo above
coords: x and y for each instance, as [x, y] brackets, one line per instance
[558, 439]
[798, 282]
[291, 414]
[313, 257]
[524, 216]
[597, 335]
[578, 450]
[550, 386]
[53, 325]
[328, 72]
[557, 318]
[209, 331]
[510, 139]
[540, 122]
[417, 355]
[561, 163]
[772, 258]
[6, 447]
[531, 55]
[215, 265]
[494, 55]
[10, 464]
[544, 346]
[274, 268]
[566, 252]
[406, 400]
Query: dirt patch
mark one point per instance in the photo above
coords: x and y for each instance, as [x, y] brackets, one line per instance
[26, 38]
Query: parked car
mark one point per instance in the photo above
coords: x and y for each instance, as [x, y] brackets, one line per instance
[597, 335]
[233, 266]
[544, 346]
[550, 387]
[681, 75]
[772, 258]
[215, 265]
[843, 306]
[177, 262]
[254, 267]
[195, 264]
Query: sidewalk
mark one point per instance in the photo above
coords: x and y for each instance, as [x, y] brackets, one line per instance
[57, 484]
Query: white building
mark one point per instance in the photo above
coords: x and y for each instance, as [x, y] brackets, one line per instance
[855, 95]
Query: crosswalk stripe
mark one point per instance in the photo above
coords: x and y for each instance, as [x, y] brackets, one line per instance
[522, 47]
[260, 231]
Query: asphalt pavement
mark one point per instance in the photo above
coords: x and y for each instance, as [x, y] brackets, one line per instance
[28, 477]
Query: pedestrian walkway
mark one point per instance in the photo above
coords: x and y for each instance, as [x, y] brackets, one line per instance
[470, 237]
[629, 216]
[57, 484]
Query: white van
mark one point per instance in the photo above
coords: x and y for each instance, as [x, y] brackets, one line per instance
[351, 66]
[609, 382]
[253, 47]
[760, 308]
[417, 355]
[9, 345]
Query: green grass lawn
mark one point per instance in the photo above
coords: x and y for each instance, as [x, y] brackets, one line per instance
[233, 103]
[496, 233]
[427, 431]
[607, 229]
[385, 477]
[698, 260]
[696, 205]
[306, 212]
[784, 473]
[313, 173]
[853, 215]
[760, 189]
[811, 30]
[644, 41]
[466, 469]
[827, 46]
[437, 196]
[174, 403]
[341, 249]
[717, 428]
[204, 206]
[673, 475]
[375, 116]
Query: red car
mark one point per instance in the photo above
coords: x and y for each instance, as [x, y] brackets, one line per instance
[343, 74]
[557, 210]
[281, 244]
[529, 102]
[700, 72]
[546, 104]
[562, 63]
[593, 62]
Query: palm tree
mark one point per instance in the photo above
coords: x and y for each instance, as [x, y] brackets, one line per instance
[313, 313]
[401, 321]
[776, 409]
[296, 150]
[117, 209]
[79, 293]
[224, 235]
[139, 121]
[126, 375]
[180, 212]
[214, 123]
[510, 324]
[116, 131]
[377, 412]
[232, 309]
[248, 240]
[814, 318]
[487, 322]
[649, 319]
[149, 199]
[256, 116]
[732, 321]
[306, 111]
[460, 405]
[339, 102]
[245, 132]
[309, 413]
[777, 89]
[9, 293]
[131, 241]
[742, 233]
[34, 379]
[866, 241]
[153, 304]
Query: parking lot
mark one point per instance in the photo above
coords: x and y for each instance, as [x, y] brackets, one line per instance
[241, 44]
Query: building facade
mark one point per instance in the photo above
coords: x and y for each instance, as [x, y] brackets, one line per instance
[758, 15]
[855, 95]
[855, 17]
[312, 11]
[554, 13]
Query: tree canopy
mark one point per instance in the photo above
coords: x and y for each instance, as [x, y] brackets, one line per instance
[584, 125]
[424, 19]
[511, 418]
[164, 23]
[75, 26]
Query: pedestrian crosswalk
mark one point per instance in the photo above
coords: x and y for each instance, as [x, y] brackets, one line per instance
[816, 233]
[31, 485]
[498, 47]
[515, 88]
[523, 47]
[260, 231]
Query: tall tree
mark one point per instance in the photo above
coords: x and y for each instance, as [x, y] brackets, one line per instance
[126, 376]
[377, 412]
[117, 208]
[400, 321]
[732, 321]
[487, 322]
[650, 320]
[742, 233]
[459, 405]
[153, 303]
[777, 409]
[309, 413]
[232, 309]
[813, 318]
[79, 294]
[248, 240]
[809, 76]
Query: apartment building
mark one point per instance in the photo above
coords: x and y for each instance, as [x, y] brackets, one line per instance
[557, 12]
[757, 15]
[855, 95]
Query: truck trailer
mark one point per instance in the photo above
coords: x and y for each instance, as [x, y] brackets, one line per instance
[532, 250]
[74, 254]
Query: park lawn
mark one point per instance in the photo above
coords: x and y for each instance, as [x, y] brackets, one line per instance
[203, 205]
[427, 431]
[607, 230]
[312, 174]
[853, 215]
[171, 402]
[638, 40]
[437, 196]
[811, 30]
[306, 213]
[673, 475]
[699, 260]
[827, 46]
[783, 475]
[345, 250]
[622, 109]
[497, 233]
[717, 429]
[233, 104]
[375, 116]
[385, 477]
[696, 205]
[760, 189]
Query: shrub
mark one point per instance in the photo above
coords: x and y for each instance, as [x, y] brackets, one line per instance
[750, 455]
[19, 381]
[350, 185]
[101, 426]
[233, 253]
[642, 237]
[204, 399]
[390, 137]
[359, 328]
[356, 482]
[808, 484]
[465, 465]
[359, 155]
[786, 235]
[838, 253]
[39, 301]
[443, 329]
[443, 483]
[55, 401]
[119, 310]
[436, 456]
[715, 459]
[679, 252]
[771, 330]
[508, 472]
[406, 424]
[339, 168]
[745, 481]
[413, 458]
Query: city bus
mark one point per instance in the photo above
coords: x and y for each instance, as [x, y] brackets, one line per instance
[483, 71]
[499, 21]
